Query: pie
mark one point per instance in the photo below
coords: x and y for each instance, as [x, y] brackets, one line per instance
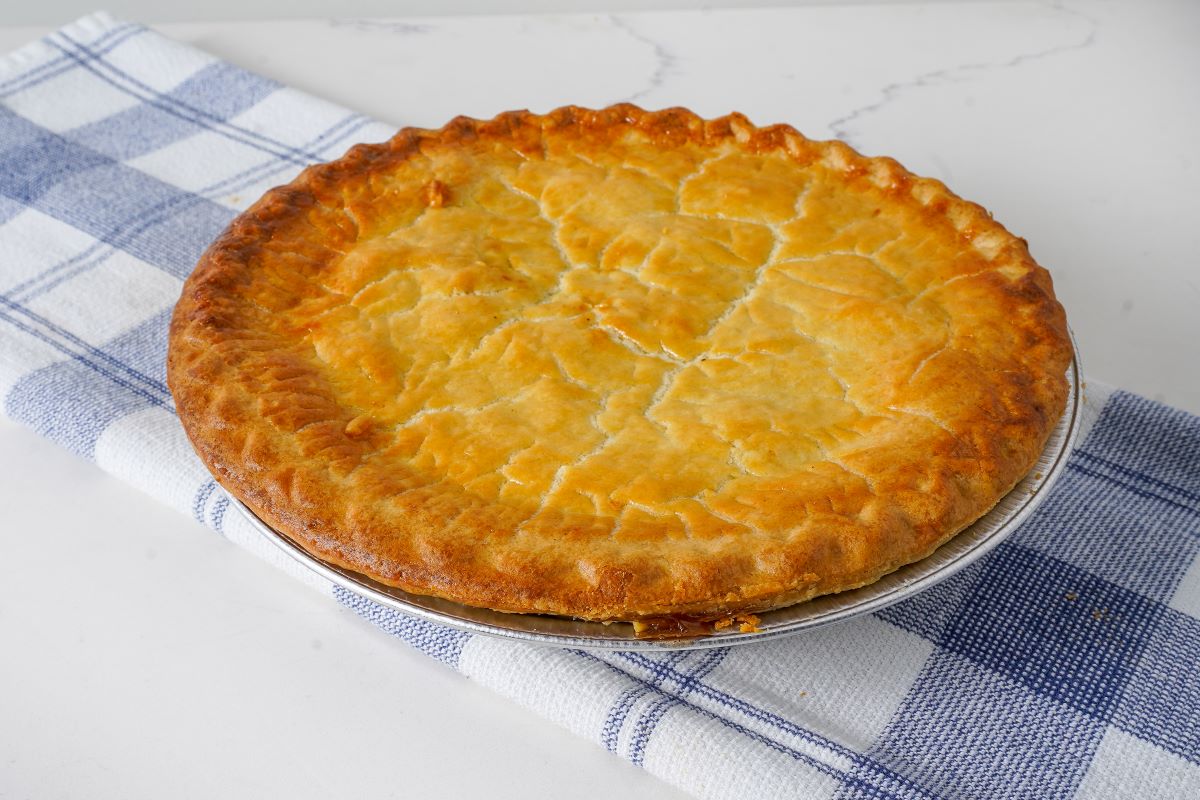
[617, 364]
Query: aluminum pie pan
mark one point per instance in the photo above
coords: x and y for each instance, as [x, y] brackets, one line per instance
[965, 548]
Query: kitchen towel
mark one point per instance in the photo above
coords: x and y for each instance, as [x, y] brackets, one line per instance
[1064, 664]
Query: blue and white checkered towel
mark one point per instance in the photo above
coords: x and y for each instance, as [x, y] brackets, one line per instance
[1065, 664]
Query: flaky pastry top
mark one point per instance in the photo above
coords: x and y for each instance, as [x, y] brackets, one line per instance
[613, 364]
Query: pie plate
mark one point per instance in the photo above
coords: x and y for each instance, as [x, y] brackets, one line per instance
[965, 548]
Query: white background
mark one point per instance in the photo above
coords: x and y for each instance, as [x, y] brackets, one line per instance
[142, 656]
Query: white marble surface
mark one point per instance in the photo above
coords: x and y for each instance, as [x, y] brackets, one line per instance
[51, 12]
[1076, 124]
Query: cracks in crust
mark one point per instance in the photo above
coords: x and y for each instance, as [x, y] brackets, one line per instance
[861, 476]
[842, 127]
[921, 365]
[651, 511]
[559, 287]
[619, 337]
[934, 287]
[925, 415]
[635, 347]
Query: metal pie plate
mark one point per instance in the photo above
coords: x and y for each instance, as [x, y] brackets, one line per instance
[965, 548]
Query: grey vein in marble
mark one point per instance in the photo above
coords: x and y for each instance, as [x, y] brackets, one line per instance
[665, 61]
[841, 127]
[385, 26]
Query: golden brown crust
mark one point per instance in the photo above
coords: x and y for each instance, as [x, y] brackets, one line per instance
[618, 363]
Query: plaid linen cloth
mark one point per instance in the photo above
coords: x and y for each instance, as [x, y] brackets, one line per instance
[1064, 664]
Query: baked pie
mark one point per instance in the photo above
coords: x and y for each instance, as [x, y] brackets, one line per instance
[617, 364]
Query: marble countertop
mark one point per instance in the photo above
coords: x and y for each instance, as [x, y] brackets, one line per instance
[1074, 123]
